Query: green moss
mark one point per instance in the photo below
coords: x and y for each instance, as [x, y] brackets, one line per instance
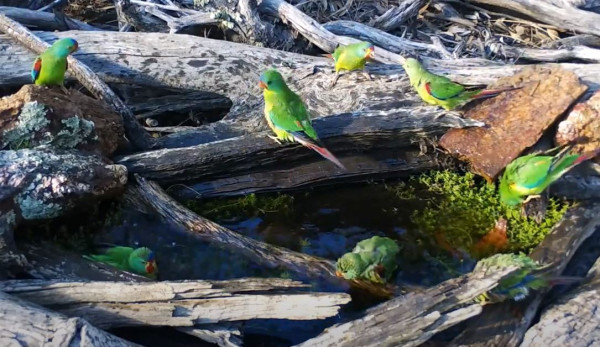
[250, 205]
[463, 209]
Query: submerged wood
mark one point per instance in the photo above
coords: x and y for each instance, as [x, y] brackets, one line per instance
[25, 324]
[573, 320]
[498, 325]
[412, 319]
[356, 132]
[118, 304]
[260, 252]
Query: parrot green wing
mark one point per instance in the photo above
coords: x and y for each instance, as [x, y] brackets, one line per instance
[528, 174]
[441, 87]
[114, 256]
[289, 113]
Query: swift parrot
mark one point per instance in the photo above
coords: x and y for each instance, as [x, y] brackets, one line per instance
[141, 260]
[49, 67]
[373, 259]
[351, 57]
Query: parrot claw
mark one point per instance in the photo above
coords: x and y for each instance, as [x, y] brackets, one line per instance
[334, 81]
[531, 197]
[274, 138]
[64, 89]
[368, 76]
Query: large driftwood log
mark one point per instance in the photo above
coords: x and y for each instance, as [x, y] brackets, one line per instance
[412, 319]
[498, 325]
[269, 255]
[547, 11]
[117, 304]
[573, 320]
[26, 324]
[44, 20]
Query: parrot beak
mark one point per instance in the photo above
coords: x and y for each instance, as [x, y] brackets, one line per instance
[370, 52]
[339, 274]
[262, 85]
[75, 47]
[150, 266]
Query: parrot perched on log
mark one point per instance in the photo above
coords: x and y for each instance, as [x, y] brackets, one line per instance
[49, 68]
[372, 259]
[140, 260]
[530, 174]
[351, 57]
[529, 276]
[440, 91]
[287, 116]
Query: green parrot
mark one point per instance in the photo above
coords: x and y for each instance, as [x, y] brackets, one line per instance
[440, 91]
[140, 260]
[518, 285]
[49, 68]
[287, 116]
[372, 259]
[532, 173]
[351, 57]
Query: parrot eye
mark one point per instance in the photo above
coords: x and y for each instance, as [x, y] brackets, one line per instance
[269, 83]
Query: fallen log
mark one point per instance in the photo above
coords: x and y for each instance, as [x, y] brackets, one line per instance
[44, 20]
[412, 319]
[498, 325]
[23, 323]
[573, 320]
[363, 132]
[188, 303]
[269, 255]
[563, 17]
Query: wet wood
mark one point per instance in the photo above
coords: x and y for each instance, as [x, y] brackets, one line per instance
[498, 325]
[573, 320]
[25, 324]
[364, 132]
[188, 303]
[136, 134]
[268, 255]
[546, 11]
[515, 120]
[412, 319]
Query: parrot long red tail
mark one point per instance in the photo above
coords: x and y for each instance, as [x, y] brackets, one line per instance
[486, 93]
[564, 280]
[308, 142]
[586, 156]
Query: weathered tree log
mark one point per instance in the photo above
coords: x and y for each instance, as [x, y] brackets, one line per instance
[397, 15]
[26, 324]
[137, 135]
[223, 335]
[498, 325]
[118, 304]
[564, 17]
[412, 319]
[573, 320]
[269, 255]
[360, 131]
[44, 20]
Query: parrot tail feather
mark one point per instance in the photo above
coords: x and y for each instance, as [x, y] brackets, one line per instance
[564, 280]
[306, 141]
[586, 156]
[486, 93]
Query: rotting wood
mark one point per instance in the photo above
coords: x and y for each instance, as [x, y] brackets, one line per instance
[136, 134]
[268, 255]
[414, 318]
[26, 324]
[117, 304]
[564, 17]
[356, 132]
[498, 325]
[44, 20]
[573, 320]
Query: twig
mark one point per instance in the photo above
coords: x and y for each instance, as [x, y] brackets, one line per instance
[135, 132]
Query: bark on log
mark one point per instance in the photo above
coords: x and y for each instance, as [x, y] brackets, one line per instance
[118, 304]
[414, 318]
[44, 20]
[564, 17]
[498, 325]
[573, 320]
[269, 255]
[26, 324]
[358, 132]
[397, 15]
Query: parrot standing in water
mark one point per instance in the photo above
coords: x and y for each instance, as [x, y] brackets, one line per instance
[372, 259]
[530, 174]
[140, 260]
[287, 116]
[49, 68]
[351, 57]
[440, 91]
[529, 276]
